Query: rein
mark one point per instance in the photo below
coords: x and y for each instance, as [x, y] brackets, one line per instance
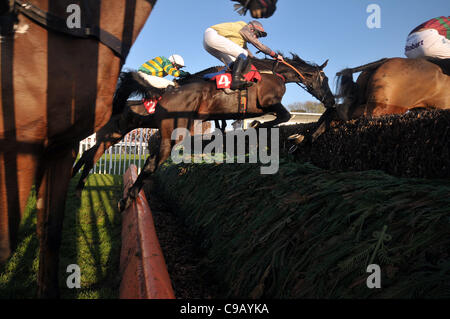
[293, 68]
[57, 24]
[304, 87]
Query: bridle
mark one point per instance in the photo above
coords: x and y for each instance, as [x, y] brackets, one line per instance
[302, 79]
[54, 23]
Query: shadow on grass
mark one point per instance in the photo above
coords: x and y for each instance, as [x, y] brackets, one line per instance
[91, 239]
[19, 275]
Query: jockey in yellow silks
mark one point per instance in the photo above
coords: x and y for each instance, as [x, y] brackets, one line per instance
[431, 38]
[154, 71]
[228, 43]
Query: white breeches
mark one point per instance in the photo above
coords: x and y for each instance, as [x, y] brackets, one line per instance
[427, 43]
[156, 81]
[223, 49]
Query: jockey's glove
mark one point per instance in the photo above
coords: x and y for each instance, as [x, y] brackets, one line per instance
[184, 75]
[279, 57]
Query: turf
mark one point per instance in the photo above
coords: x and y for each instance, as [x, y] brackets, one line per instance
[91, 239]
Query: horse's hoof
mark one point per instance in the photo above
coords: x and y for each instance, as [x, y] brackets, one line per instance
[122, 204]
[293, 148]
[296, 138]
[255, 124]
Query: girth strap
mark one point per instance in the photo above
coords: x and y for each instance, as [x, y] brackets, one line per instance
[243, 102]
[54, 23]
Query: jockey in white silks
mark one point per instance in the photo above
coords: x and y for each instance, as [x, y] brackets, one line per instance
[228, 43]
[431, 38]
[154, 71]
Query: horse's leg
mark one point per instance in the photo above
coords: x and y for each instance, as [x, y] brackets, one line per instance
[152, 163]
[217, 125]
[282, 115]
[324, 122]
[17, 173]
[89, 158]
[107, 136]
[50, 204]
[224, 126]
[221, 126]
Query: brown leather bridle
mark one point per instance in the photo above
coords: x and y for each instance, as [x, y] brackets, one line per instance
[57, 24]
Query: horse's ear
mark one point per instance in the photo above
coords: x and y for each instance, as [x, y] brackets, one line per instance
[324, 65]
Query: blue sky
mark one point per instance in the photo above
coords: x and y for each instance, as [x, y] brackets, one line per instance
[316, 30]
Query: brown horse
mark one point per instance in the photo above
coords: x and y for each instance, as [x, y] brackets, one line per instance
[57, 84]
[389, 86]
[199, 99]
[135, 115]
[126, 119]
[258, 8]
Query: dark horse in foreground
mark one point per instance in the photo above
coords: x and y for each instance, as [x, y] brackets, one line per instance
[389, 86]
[57, 87]
[197, 98]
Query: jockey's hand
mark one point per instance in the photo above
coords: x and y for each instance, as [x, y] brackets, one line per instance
[185, 75]
[279, 58]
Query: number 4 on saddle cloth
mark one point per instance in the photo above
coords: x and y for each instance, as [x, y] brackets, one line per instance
[223, 79]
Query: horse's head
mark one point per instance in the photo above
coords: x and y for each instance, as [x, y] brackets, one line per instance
[310, 76]
[258, 8]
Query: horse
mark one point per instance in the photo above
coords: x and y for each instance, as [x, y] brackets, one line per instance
[196, 98]
[126, 119]
[60, 60]
[388, 86]
[135, 116]
[258, 8]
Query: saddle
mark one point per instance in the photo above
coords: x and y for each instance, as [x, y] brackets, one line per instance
[223, 82]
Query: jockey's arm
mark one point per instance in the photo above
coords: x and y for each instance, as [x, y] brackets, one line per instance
[171, 70]
[248, 36]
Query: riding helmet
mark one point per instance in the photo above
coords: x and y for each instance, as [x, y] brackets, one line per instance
[258, 29]
[177, 59]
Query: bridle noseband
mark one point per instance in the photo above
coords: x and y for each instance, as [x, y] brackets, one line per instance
[57, 24]
[302, 79]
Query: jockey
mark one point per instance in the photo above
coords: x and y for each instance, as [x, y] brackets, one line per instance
[154, 71]
[228, 43]
[431, 38]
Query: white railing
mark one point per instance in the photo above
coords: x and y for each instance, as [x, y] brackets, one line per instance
[132, 149]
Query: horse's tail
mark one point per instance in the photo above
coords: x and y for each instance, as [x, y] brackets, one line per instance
[346, 88]
[131, 84]
[366, 67]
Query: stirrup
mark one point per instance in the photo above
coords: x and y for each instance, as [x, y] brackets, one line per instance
[241, 85]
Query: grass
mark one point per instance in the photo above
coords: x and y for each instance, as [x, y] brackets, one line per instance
[91, 239]
[306, 232]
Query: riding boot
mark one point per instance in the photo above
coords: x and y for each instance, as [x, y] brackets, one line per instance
[238, 82]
